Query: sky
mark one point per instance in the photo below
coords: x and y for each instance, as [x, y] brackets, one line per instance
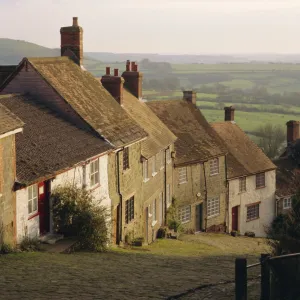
[159, 26]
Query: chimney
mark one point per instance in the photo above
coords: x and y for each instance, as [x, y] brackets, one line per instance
[133, 79]
[72, 42]
[113, 84]
[190, 96]
[292, 131]
[229, 113]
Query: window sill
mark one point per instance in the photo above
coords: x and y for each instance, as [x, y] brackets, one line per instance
[33, 215]
[186, 222]
[92, 188]
[161, 168]
[182, 183]
[213, 216]
[146, 180]
[214, 174]
[126, 171]
[154, 223]
[153, 174]
[243, 192]
[260, 187]
[168, 162]
[149, 215]
[252, 219]
[285, 208]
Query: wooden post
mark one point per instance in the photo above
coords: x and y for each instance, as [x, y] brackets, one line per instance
[241, 279]
[265, 277]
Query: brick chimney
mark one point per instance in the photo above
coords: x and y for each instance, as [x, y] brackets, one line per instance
[72, 42]
[229, 113]
[133, 79]
[113, 84]
[293, 131]
[190, 96]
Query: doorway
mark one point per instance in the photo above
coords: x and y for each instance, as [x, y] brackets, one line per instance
[235, 218]
[44, 206]
[146, 223]
[199, 217]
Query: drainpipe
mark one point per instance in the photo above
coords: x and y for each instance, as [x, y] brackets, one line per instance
[205, 198]
[121, 199]
[227, 197]
[165, 187]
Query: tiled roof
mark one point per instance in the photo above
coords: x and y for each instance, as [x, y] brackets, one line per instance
[196, 140]
[5, 71]
[8, 121]
[160, 137]
[89, 99]
[244, 156]
[48, 144]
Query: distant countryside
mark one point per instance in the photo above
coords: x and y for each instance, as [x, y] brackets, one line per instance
[261, 92]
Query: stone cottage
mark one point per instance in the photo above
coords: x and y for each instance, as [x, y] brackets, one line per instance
[251, 178]
[199, 175]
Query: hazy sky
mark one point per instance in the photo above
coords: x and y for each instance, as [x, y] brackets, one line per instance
[159, 26]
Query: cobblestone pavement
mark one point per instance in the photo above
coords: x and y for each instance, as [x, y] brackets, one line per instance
[112, 275]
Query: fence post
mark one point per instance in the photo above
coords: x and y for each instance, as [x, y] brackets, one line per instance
[265, 277]
[241, 279]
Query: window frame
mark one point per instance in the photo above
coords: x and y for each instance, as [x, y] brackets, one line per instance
[211, 212]
[33, 199]
[214, 164]
[129, 210]
[94, 172]
[126, 162]
[182, 175]
[257, 180]
[243, 184]
[251, 206]
[145, 170]
[168, 195]
[185, 214]
[154, 211]
[168, 155]
[153, 165]
[289, 200]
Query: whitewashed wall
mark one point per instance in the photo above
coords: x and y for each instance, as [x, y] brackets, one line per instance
[267, 206]
[79, 176]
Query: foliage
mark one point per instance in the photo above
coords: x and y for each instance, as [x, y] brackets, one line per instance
[6, 248]
[30, 244]
[172, 216]
[161, 233]
[76, 213]
[271, 139]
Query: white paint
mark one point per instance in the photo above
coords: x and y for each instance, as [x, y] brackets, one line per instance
[11, 133]
[79, 176]
[265, 195]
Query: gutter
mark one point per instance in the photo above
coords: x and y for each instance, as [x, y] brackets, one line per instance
[165, 187]
[205, 197]
[119, 237]
[227, 197]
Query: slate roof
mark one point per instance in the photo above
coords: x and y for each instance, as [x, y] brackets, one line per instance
[244, 156]
[196, 140]
[8, 121]
[5, 71]
[160, 137]
[48, 144]
[89, 99]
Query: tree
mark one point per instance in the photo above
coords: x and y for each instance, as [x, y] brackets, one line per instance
[271, 139]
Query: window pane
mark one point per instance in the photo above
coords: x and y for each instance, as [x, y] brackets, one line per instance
[213, 207]
[214, 166]
[35, 204]
[184, 214]
[182, 175]
[252, 212]
[30, 192]
[30, 206]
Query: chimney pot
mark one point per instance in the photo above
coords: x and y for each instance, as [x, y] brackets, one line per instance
[75, 21]
[135, 68]
[190, 96]
[132, 65]
[116, 72]
[107, 70]
[229, 113]
[293, 131]
[127, 65]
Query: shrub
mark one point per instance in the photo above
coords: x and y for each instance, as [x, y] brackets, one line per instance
[172, 216]
[76, 213]
[6, 248]
[161, 233]
[30, 244]
[250, 234]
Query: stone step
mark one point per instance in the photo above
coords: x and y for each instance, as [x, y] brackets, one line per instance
[51, 238]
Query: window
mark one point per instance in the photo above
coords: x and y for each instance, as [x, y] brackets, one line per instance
[129, 210]
[242, 184]
[32, 199]
[168, 198]
[94, 172]
[260, 180]
[213, 207]
[252, 212]
[162, 160]
[287, 203]
[182, 175]
[161, 207]
[126, 158]
[168, 155]
[154, 210]
[145, 170]
[184, 214]
[214, 166]
[153, 165]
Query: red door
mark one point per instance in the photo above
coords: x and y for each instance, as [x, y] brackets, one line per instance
[44, 212]
[235, 219]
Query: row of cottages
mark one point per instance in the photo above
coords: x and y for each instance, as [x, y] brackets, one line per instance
[133, 155]
[97, 135]
[288, 170]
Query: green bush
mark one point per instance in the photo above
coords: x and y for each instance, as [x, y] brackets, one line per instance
[6, 249]
[76, 213]
[161, 233]
[172, 216]
[30, 245]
